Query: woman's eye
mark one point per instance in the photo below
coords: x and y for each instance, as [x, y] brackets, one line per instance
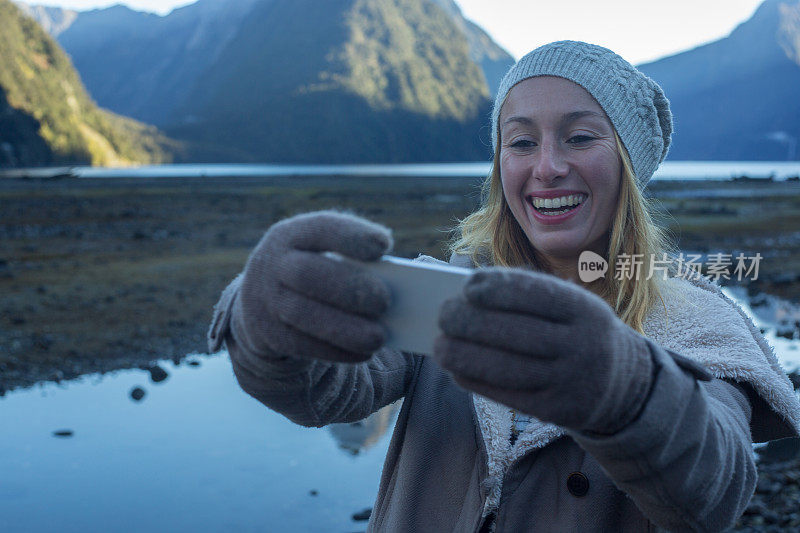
[578, 139]
[523, 143]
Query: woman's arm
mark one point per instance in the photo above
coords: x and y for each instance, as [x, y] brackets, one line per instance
[302, 329]
[687, 459]
[670, 436]
[309, 392]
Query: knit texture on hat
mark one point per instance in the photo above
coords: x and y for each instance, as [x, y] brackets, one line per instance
[634, 103]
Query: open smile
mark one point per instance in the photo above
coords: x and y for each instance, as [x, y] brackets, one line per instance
[558, 205]
[550, 208]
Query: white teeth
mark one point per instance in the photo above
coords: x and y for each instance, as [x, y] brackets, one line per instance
[555, 203]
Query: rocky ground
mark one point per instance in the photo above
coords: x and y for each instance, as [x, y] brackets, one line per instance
[776, 504]
[101, 274]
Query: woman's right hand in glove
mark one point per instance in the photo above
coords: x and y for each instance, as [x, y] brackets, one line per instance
[295, 301]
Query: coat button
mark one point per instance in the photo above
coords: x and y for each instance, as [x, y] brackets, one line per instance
[577, 484]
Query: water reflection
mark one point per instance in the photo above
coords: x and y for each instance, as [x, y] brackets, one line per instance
[359, 436]
[197, 454]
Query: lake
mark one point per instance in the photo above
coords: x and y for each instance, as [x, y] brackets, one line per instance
[195, 453]
[669, 170]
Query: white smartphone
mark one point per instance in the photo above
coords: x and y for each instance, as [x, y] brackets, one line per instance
[418, 290]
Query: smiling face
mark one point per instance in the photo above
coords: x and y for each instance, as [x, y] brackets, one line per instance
[559, 167]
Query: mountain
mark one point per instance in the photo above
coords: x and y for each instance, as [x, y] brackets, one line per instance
[54, 20]
[493, 59]
[284, 80]
[46, 116]
[342, 81]
[150, 62]
[738, 98]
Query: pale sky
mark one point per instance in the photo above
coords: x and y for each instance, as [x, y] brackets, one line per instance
[638, 30]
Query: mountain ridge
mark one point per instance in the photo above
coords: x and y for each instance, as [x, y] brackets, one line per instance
[395, 79]
[185, 73]
[745, 85]
[119, 29]
[367, 81]
[49, 116]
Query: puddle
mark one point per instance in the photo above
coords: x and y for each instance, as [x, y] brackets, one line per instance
[195, 453]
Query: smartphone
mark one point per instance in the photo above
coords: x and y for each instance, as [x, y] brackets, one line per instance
[418, 290]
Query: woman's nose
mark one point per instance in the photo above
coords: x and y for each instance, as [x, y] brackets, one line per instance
[550, 163]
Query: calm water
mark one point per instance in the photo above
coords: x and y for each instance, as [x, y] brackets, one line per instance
[197, 454]
[668, 170]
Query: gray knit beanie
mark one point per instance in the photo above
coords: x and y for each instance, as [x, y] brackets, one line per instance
[634, 103]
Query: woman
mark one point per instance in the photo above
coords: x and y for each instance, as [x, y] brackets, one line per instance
[549, 404]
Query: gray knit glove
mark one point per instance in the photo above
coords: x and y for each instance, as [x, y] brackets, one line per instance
[546, 347]
[294, 301]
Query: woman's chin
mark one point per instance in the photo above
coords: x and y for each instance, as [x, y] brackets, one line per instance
[558, 248]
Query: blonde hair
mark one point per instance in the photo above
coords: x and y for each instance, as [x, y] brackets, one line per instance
[492, 236]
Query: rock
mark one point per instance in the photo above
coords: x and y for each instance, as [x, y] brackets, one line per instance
[362, 515]
[786, 333]
[794, 377]
[157, 374]
[43, 342]
[770, 517]
[193, 363]
[782, 278]
[766, 486]
[313, 492]
[137, 393]
[779, 451]
[754, 508]
[63, 433]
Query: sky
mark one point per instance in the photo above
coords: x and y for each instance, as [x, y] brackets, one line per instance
[638, 30]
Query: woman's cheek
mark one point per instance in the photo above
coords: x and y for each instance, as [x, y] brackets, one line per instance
[511, 172]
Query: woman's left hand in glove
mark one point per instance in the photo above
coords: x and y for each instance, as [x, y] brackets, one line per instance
[546, 347]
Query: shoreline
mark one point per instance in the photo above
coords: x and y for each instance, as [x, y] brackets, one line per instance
[102, 274]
